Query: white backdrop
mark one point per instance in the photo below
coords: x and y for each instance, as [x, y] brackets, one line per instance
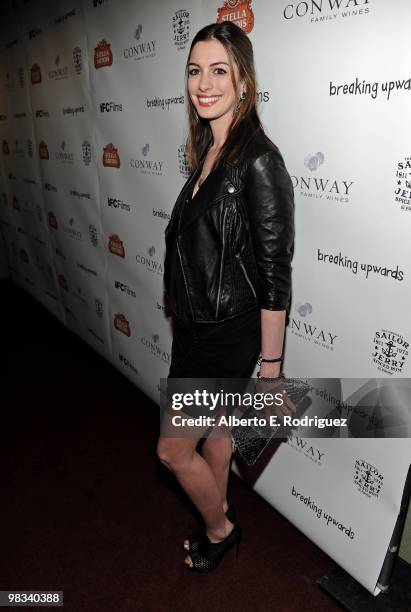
[93, 125]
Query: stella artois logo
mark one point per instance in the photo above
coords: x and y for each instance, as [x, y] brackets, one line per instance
[6, 150]
[35, 74]
[43, 150]
[63, 282]
[239, 12]
[52, 220]
[121, 323]
[111, 157]
[116, 246]
[103, 55]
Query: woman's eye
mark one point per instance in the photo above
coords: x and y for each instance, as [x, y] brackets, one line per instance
[195, 71]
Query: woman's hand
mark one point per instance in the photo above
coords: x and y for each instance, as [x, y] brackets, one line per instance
[287, 408]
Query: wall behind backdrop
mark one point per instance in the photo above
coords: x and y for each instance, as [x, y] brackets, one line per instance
[93, 129]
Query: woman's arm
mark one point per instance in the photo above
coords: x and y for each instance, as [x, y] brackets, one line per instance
[272, 340]
[269, 198]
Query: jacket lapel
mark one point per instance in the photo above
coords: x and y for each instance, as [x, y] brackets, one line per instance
[219, 184]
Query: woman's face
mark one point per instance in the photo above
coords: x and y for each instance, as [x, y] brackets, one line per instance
[209, 80]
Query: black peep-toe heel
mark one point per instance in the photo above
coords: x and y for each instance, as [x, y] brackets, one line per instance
[208, 554]
[195, 537]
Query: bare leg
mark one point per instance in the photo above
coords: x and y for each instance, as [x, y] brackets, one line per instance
[217, 453]
[198, 481]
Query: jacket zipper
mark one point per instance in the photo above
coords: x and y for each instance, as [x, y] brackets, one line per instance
[184, 277]
[247, 277]
[221, 265]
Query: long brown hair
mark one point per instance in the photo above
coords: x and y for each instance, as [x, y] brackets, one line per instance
[246, 121]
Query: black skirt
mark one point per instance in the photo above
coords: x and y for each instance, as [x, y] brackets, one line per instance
[228, 349]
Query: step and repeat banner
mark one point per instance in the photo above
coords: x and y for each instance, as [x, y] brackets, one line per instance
[93, 129]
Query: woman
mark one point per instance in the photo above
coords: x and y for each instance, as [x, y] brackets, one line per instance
[227, 276]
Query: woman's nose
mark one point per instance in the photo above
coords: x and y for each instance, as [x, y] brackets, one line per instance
[205, 82]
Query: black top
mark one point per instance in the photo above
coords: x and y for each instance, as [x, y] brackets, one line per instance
[181, 305]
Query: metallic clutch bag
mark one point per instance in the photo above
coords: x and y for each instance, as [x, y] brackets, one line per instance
[251, 440]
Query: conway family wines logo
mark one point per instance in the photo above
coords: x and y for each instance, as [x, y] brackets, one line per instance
[390, 351]
[306, 448]
[183, 166]
[181, 28]
[71, 230]
[310, 332]
[310, 185]
[141, 49]
[116, 246]
[59, 72]
[403, 186]
[122, 325]
[18, 150]
[367, 478]
[111, 158]
[35, 74]
[63, 155]
[146, 164]
[153, 345]
[239, 12]
[150, 263]
[318, 11]
[103, 56]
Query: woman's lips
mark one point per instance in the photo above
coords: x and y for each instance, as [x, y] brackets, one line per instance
[207, 100]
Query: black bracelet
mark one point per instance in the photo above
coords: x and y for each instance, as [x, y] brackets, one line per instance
[261, 360]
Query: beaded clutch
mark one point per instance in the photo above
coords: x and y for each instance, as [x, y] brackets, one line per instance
[251, 440]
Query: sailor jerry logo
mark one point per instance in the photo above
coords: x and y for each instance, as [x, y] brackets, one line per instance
[111, 157]
[390, 351]
[116, 246]
[43, 150]
[35, 74]
[52, 220]
[121, 323]
[239, 12]
[103, 55]
[367, 478]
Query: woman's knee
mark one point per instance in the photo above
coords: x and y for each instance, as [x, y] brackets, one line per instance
[175, 454]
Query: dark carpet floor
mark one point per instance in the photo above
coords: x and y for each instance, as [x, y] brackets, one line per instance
[88, 509]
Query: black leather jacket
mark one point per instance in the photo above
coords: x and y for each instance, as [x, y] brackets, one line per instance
[236, 241]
